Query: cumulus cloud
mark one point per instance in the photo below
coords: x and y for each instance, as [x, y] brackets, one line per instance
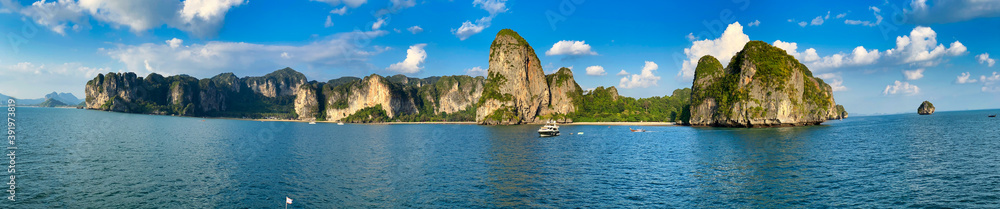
[622, 73]
[920, 48]
[468, 28]
[341, 11]
[203, 60]
[950, 11]
[642, 80]
[984, 58]
[835, 81]
[913, 74]
[803, 24]
[415, 57]
[476, 71]
[174, 43]
[901, 88]
[378, 23]
[570, 48]
[415, 29]
[722, 48]
[964, 78]
[596, 70]
[754, 23]
[817, 21]
[201, 18]
[65, 77]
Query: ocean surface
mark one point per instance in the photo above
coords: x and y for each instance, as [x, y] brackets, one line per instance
[69, 158]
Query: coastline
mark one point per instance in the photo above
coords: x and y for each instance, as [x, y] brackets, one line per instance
[625, 123]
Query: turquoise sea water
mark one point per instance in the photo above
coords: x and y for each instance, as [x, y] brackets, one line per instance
[91, 159]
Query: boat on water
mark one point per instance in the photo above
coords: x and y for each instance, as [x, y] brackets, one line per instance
[312, 122]
[550, 129]
[340, 123]
[637, 130]
[992, 116]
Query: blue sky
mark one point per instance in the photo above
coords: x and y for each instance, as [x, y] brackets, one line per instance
[881, 56]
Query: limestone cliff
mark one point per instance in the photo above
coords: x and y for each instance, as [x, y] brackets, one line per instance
[307, 101]
[926, 108]
[222, 95]
[456, 93]
[762, 86]
[515, 90]
[373, 90]
[563, 88]
[282, 82]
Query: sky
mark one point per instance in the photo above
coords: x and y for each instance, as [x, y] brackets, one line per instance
[879, 56]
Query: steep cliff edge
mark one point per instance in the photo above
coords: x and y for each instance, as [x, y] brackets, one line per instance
[515, 90]
[762, 86]
[345, 100]
[223, 95]
[562, 91]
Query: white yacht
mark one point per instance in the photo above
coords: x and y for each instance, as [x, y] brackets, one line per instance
[550, 129]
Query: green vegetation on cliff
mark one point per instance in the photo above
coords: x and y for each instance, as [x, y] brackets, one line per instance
[600, 105]
[373, 114]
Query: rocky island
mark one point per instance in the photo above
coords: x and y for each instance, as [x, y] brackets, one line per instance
[762, 86]
[926, 108]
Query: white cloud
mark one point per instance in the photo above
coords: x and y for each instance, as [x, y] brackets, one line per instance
[901, 88]
[622, 73]
[690, 37]
[570, 48]
[329, 22]
[596, 70]
[964, 78]
[875, 11]
[984, 58]
[415, 29]
[204, 60]
[28, 80]
[378, 24]
[835, 81]
[722, 48]
[913, 74]
[285, 55]
[841, 15]
[817, 21]
[350, 3]
[642, 80]
[476, 71]
[921, 47]
[201, 18]
[174, 43]
[754, 23]
[950, 11]
[494, 7]
[341, 11]
[415, 57]
[468, 28]
[803, 24]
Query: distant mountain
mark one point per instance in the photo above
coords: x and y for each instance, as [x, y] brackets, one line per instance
[50, 102]
[66, 98]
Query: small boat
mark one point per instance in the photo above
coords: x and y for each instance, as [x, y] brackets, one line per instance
[340, 123]
[992, 116]
[550, 129]
[312, 123]
[637, 130]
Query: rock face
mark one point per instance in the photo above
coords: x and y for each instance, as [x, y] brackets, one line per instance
[516, 89]
[762, 86]
[373, 90]
[283, 82]
[307, 102]
[840, 113]
[926, 108]
[563, 88]
[456, 93]
[186, 95]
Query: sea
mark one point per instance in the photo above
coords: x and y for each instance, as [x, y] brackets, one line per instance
[72, 158]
